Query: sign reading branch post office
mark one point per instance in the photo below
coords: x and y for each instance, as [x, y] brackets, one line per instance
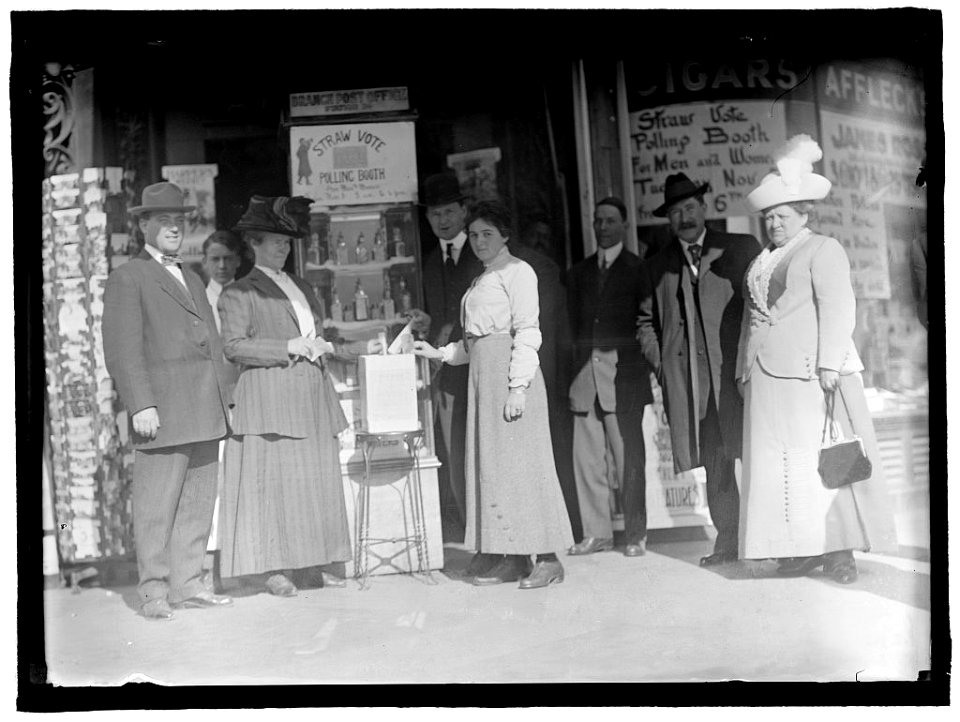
[354, 164]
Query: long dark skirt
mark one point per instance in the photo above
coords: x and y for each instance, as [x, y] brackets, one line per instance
[283, 505]
[514, 501]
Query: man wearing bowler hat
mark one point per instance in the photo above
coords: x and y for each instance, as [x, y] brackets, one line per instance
[163, 351]
[448, 271]
[689, 328]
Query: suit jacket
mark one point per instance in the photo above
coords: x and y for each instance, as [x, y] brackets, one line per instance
[812, 315]
[665, 330]
[606, 321]
[273, 394]
[442, 293]
[161, 346]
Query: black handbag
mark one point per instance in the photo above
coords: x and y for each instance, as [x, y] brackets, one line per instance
[842, 461]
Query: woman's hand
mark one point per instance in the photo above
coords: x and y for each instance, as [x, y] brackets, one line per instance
[829, 380]
[423, 348]
[740, 387]
[300, 346]
[319, 347]
[516, 403]
[146, 422]
[375, 346]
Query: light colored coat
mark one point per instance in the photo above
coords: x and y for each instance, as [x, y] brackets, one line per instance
[812, 316]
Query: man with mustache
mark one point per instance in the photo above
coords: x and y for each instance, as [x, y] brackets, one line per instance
[689, 328]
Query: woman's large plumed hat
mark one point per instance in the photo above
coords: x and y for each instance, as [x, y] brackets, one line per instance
[280, 214]
[794, 179]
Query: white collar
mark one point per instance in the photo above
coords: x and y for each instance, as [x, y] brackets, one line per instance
[214, 286]
[611, 253]
[457, 241]
[155, 252]
[698, 242]
[274, 275]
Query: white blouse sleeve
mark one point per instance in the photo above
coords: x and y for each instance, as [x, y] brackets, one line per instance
[521, 286]
[454, 354]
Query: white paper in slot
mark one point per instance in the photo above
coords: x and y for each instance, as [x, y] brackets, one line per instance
[403, 343]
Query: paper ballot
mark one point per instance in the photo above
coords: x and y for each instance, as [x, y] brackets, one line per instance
[403, 343]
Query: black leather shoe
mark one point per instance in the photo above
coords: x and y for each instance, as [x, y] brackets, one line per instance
[637, 549]
[841, 566]
[717, 558]
[279, 586]
[203, 600]
[481, 564]
[509, 569]
[799, 566]
[590, 545]
[543, 575]
[156, 610]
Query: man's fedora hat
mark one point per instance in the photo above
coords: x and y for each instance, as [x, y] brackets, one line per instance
[277, 214]
[161, 197]
[441, 189]
[677, 188]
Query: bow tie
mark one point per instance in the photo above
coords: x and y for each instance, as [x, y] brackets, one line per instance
[171, 259]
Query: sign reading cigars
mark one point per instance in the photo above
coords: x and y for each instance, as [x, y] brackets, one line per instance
[354, 164]
[729, 144]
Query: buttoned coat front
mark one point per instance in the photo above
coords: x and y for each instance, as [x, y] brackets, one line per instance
[666, 327]
[162, 349]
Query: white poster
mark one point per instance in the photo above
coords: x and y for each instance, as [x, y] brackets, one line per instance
[729, 144]
[197, 182]
[871, 163]
[354, 164]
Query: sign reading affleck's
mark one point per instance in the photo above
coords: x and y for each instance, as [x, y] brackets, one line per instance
[354, 164]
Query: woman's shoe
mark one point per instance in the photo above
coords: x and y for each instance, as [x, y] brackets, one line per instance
[543, 575]
[509, 569]
[799, 566]
[841, 567]
[279, 586]
[332, 580]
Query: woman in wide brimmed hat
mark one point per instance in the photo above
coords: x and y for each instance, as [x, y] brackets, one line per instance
[283, 506]
[796, 352]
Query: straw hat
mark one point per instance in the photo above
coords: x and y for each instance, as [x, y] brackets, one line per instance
[794, 179]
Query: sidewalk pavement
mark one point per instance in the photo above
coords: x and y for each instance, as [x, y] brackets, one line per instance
[660, 617]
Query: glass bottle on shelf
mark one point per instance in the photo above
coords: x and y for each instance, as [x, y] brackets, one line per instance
[399, 247]
[343, 253]
[361, 253]
[336, 308]
[313, 251]
[361, 303]
[318, 294]
[406, 302]
[379, 244]
[388, 304]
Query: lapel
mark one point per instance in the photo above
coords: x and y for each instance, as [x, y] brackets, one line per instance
[168, 284]
[270, 289]
[591, 277]
[685, 293]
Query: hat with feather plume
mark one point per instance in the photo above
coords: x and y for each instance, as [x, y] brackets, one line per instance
[794, 179]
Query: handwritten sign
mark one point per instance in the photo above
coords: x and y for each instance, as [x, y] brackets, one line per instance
[728, 144]
[344, 102]
[871, 163]
[354, 164]
[197, 183]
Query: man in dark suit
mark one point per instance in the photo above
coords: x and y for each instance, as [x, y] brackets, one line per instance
[689, 328]
[611, 386]
[163, 351]
[448, 272]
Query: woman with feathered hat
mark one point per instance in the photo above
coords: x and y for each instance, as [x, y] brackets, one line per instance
[283, 506]
[796, 352]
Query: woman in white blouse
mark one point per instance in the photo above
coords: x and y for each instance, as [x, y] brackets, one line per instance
[796, 354]
[515, 506]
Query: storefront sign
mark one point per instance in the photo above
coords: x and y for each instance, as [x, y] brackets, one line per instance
[197, 183]
[354, 164]
[728, 144]
[873, 166]
[856, 89]
[343, 102]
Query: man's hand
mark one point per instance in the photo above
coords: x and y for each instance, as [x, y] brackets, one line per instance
[516, 403]
[146, 422]
[829, 380]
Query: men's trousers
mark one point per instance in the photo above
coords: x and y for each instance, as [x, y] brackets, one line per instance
[593, 431]
[723, 497]
[450, 410]
[174, 491]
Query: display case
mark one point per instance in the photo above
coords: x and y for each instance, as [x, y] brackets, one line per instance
[362, 260]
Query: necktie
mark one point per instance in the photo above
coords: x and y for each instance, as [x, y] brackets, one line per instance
[695, 251]
[448, 261]
[171, 259]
